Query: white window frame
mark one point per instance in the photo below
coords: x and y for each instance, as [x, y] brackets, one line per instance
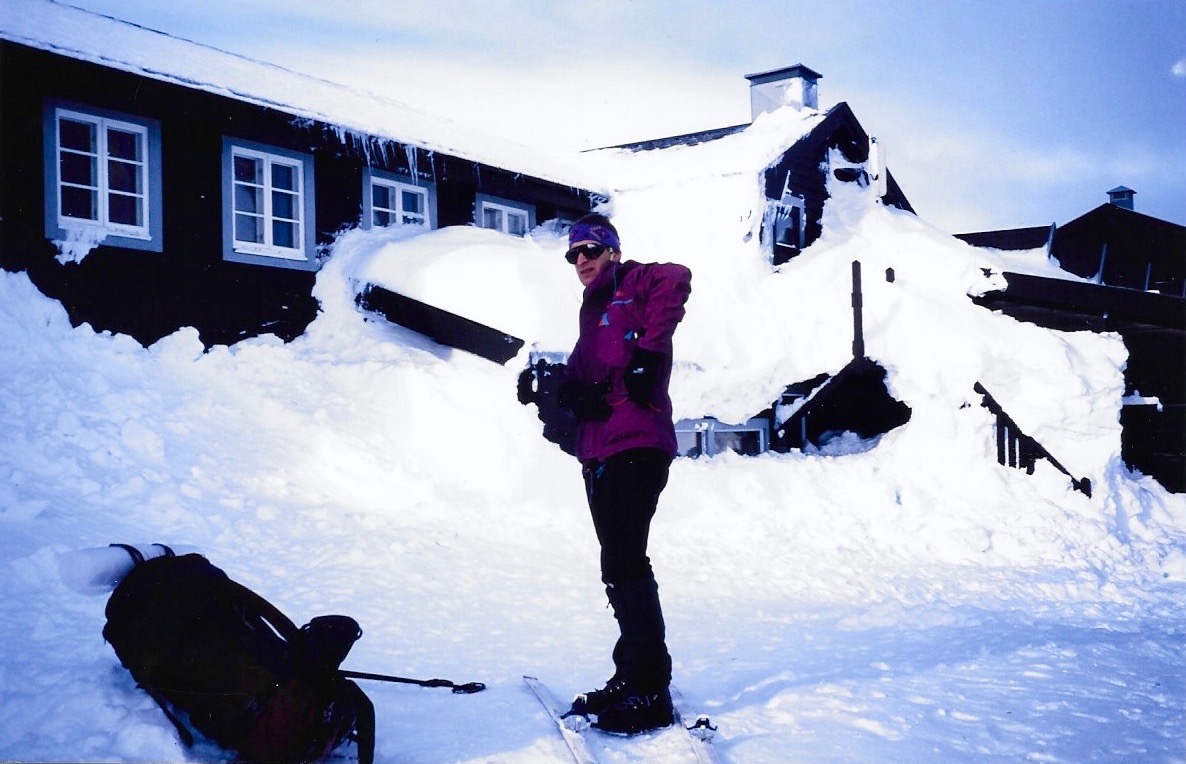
[268, 252]
[783, 216]
[267, 189]
[398, 185]
[506, 209]
[146, 232]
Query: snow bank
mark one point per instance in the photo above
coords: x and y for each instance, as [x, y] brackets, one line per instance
[908, 599]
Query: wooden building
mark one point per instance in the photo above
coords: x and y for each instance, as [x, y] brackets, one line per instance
[1133, 281]
[794, 173]
[796, 187]
[150, 183]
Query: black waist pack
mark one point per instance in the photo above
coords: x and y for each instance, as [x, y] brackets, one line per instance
[223, 662]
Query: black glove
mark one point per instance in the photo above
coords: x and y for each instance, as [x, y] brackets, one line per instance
[587, 402]
[523, 389]
[641, 375]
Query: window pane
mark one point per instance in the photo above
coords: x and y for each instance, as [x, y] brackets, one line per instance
[248, 198]
[78, 169]
[284, 234]
[80, 203]
[689, 443]
[248, 170]
[414, 202]
[381, 197]
[284, 176]
[125, 210]
[516, 223]
[744, 442]
[284, 205]
[249, 228]
[492, 218]
[123, 145]
[382, 217]
[122, 176]
[79, 136]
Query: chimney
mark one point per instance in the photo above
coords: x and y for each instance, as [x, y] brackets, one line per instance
[791, 86]
[1122, 197]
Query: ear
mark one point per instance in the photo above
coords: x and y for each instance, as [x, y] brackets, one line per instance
[615, 255]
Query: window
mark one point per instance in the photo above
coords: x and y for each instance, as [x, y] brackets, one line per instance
[267, 206]
[102, 174]
[504, 215]
[783, 229]
[783, 233]
[396, 200]
[709, 437]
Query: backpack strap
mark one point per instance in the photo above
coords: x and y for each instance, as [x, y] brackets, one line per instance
[132, 551]
[187, 737]
[279, 622]
[138, 556]
[364, 729]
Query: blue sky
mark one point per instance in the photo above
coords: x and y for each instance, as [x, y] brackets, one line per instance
[993, 114]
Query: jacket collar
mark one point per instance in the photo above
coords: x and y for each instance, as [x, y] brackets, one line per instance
[610, 278]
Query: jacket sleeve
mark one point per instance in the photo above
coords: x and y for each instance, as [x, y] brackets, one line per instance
[667, 287]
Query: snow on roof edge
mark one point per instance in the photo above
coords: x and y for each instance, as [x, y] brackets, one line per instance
[72, 32]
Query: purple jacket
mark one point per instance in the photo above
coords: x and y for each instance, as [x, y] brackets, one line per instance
[630, 304]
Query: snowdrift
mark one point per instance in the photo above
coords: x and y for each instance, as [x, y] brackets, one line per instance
[908, 600]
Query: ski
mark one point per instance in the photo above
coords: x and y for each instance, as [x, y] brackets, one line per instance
[571, 728]
[699, 734]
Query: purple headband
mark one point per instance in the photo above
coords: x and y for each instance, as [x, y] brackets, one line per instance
[593, 232]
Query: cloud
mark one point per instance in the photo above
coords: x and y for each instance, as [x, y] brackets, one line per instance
[1179, 69]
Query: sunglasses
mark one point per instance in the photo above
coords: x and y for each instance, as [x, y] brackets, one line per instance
[591, 250]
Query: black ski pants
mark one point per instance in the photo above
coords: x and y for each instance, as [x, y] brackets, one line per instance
[623, 492]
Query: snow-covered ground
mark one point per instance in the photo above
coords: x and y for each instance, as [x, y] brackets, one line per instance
[907, 601]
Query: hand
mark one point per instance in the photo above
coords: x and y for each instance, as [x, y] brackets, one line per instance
[587, 402]
[524, 389]
[641, 375]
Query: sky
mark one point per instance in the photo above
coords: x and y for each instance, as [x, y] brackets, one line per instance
[992, 115]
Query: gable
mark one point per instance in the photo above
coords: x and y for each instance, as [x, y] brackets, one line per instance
[1124, 248]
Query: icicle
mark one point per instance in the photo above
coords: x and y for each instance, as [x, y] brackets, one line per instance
[413, 165]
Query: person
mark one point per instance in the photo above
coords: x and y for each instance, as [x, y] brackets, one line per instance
[615, 383]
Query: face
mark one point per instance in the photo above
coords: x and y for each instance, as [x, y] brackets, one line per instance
[589, 268]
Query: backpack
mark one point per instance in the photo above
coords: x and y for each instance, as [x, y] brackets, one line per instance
[223, 662]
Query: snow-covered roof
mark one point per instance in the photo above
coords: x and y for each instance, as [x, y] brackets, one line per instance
[743, 150]
[99, 39]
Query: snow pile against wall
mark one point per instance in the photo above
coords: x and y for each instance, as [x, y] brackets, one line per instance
[521, 286]
[363, 469]
[751, 330]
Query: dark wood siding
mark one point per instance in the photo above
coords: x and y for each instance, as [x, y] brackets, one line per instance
[1154, 330]
[151, 294]
[839, 130]
[1142, 252]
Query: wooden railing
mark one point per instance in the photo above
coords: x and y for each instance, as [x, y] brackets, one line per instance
[1018, 450]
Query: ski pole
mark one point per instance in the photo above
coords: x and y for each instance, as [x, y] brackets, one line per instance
[459, 689]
